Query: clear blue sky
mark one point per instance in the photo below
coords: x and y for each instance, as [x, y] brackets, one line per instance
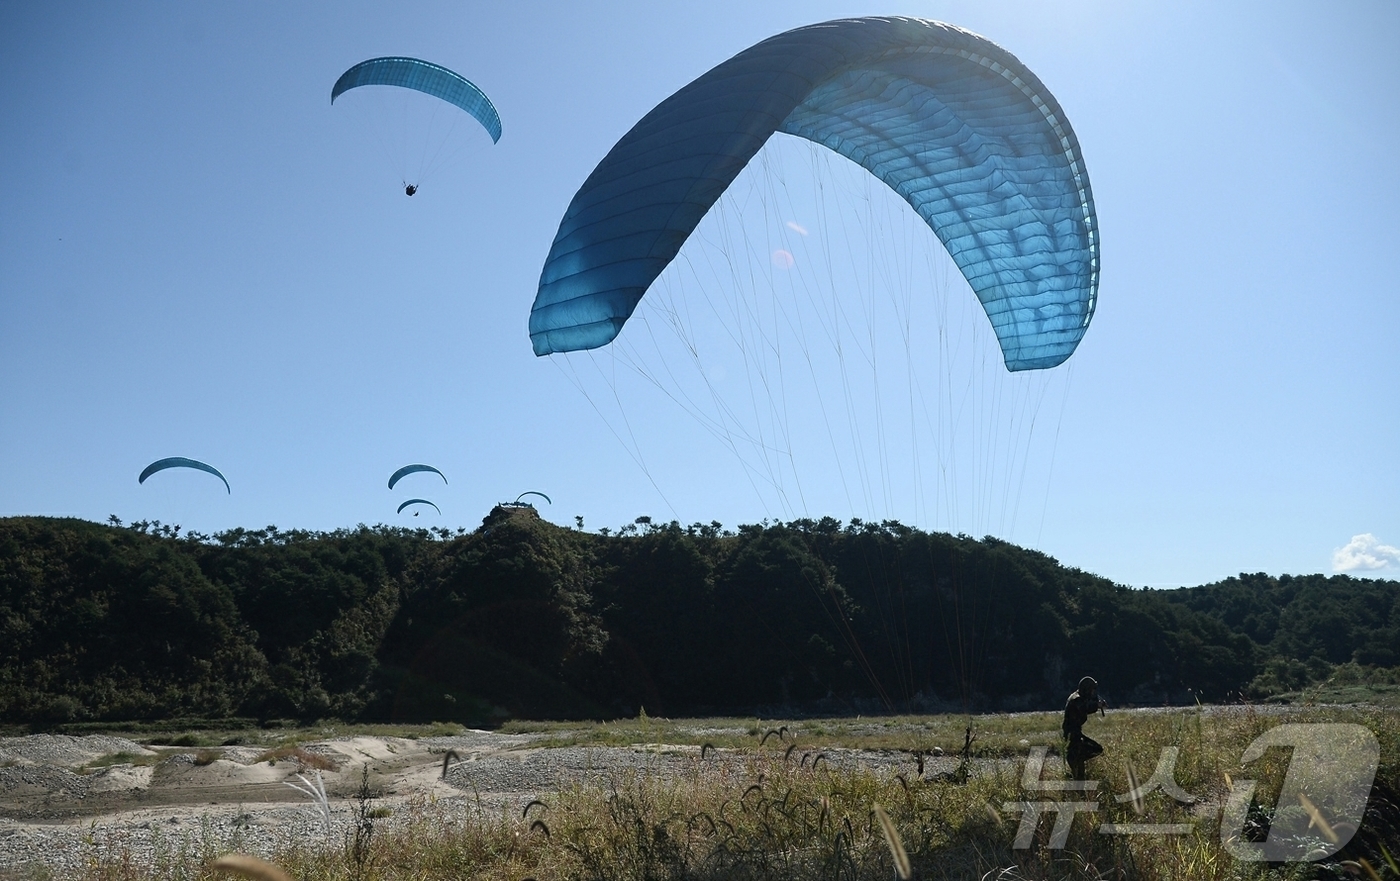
[199, 256]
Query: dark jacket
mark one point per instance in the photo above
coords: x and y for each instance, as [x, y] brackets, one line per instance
[1078, 709]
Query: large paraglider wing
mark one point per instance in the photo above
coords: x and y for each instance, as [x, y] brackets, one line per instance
[955, 124]
[417, 502]
[532, 493]
[182, 462]
[411, 469]
[426, 77]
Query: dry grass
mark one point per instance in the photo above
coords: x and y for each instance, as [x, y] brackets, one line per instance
[769, 816]
[997, 734]
[304, 758]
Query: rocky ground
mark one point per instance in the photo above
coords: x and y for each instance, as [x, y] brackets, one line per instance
[55, 812]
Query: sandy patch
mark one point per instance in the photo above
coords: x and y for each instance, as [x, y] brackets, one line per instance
[120, 778]
[358, 750]
[183, 770]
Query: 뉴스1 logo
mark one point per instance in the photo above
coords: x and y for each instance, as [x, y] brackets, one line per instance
[1320, 805]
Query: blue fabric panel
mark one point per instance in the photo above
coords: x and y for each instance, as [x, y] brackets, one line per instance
[426, 77]
[952, 122]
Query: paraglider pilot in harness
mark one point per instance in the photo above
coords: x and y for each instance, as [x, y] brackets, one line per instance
[1081, 705]
[409, 190]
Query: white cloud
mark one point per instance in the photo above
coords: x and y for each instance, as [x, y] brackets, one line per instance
[1364, 553]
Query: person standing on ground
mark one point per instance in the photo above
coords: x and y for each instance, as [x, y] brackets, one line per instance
[1081, 705]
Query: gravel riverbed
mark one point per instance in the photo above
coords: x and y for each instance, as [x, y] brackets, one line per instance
[181, 803]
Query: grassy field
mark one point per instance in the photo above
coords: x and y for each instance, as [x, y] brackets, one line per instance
[774, 810]
[1332, 692]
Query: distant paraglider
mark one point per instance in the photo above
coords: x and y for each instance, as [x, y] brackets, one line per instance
[429, 79]
[417, 502]
[531, 493]
[413, 469]
[182, 462]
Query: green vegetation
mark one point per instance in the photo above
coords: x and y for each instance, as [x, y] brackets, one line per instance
[107, 626]
[243, 732]
[997, 734]
[118, 758]
[773, 816]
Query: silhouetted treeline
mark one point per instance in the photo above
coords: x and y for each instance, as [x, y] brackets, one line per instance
[525, 618]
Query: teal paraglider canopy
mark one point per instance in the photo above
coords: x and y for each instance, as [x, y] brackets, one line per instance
[413, 469]
[417, 502]
[426, 77]
[531, 493]
[953, 123]
[182, 462]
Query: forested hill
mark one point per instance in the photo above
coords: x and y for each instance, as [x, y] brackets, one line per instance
[525, 618]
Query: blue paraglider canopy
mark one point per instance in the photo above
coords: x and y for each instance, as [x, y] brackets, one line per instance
[412, 469]
[417, 502]
[955, 124]
[426, 77]
[182, 462]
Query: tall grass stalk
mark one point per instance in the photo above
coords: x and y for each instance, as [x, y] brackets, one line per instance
[316, 791]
